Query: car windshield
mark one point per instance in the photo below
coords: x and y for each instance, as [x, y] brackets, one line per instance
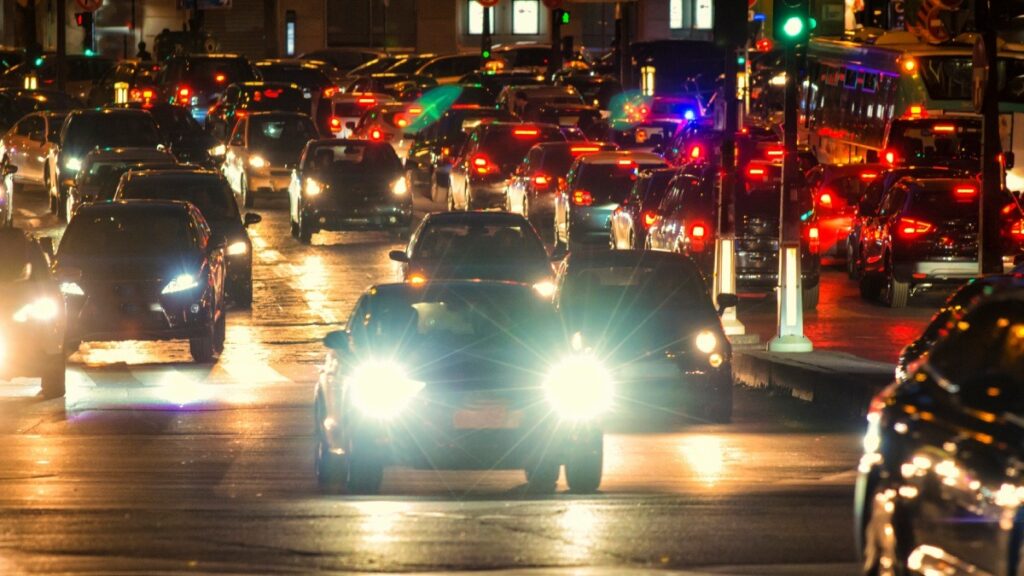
[105, 174]
[280, 134]
[271, 99]
[987, 351]
[173, 119]
[609, 182]
[126, 233]
[508, 145]
[946, 202]
[210, 194]
[86, 131]
[478, 241]
[353, 158]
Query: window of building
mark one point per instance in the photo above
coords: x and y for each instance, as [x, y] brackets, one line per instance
[476, 18]
[703, 17]
[675, 14]
[526, 17]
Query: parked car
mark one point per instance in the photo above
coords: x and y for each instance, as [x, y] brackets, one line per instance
[262, 151]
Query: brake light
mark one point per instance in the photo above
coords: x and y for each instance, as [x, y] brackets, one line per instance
[649, 219]
[330, 91]
[272, 92]
[698, 235]
[813, 239]
[868, 176]
[415, 110]
[696, 152]
[376, 134]
[1017, 230]
[582, 198]
[135, 93]
[446, 151]
[755, 172]
[697, 231]
[482, 164]
[541, 181]
[890, 157]
[417, 279]
[965, 193]
[916, 111]
[775, 152]
[366, 101]
[944, 128]
[219, 78]
[825, 200]
[910, 227]
[626, 163]
[241, 113]
[147, 94]
[525, 132]
[401, 121]
[584, 149]
[335, 123]
[184, 92]
[909, 65]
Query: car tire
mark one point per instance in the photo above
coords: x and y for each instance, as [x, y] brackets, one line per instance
[331, 473]
[810, 297]
[896, 292]
[306, 230]
[715, 404]
[585, 464]
[53, 383]
[542, 477]
[851, 264]
[243, 190]
[62, 205]
[202, 347]
[365, 473]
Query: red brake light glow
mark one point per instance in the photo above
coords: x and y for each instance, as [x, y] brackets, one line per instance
[696, 152]
[415, 110]
[220, 78]
[813, 239]
[335, 122]
[825, 200]
[526, 132]
[910, 227]
[330, 91]
[541, 181]
[272, 92]
[482, 164]
[890, 157]
[649, 219]
[582, 198]
[755, 172]
[944, 128]
[697, 231]
[867, 176]
[184, 92]
[584, 149]
[366, 100]
[626, 163]
[965, 192]
[376, 134]
[1017, 229]
[916, 111]
[775, 152]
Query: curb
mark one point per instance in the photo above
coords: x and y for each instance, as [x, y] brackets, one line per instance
[838, 382]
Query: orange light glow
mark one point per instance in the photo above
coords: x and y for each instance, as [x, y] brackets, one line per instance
[909, 65]
[944, 128]
[220, 78]
[526, 132]
[417, 279]
[582, 198]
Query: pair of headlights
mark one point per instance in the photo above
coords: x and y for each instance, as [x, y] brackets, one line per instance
[180, 283]
[578, 388]
[313, 188]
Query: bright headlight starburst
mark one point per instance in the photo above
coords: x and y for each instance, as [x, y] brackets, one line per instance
[382, 389]
[313, 187]
[237, 248]
[399, 187]
[580, 387]
[71, 289]
[257, 161]
[40, 310]
[706, 341]
[181, 283]
[73, 164]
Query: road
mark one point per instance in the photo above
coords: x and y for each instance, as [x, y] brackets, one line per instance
[152, 464]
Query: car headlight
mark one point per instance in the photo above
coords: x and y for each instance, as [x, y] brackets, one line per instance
[71, 289]
[237, 248]
[382, 389]
[257, 161]
[399, 187]
[73, 164]
[180, 283]
[706, 341]
[545, 288]
[778, 79]
[579, 387]
[313, 187]
[218, 150]
[40, 310]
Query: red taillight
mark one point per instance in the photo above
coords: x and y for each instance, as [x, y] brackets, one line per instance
[813, 239]
[330, 91]
[763, 45]
[401, 121]
[696, 152]
[755, 172]
[890, 157]
[649, 219]
[376, 134]
[241, 113]
[825, 200]
[916, 111]
[577, 150]
[220, 78]
[775, 153]
[582, 198]
[910, 228]
[944, 128]
[147, 94]
[335, 123]
[366, 101]
[446, 151]
[415, 110]
[697, 231]
[184, 92]
[868, 176]
[698, 237]
[135, 93]
[626, 163]
[965, 193]
[482, 164]
[1017, 229]
[526, 132]
[541, 181]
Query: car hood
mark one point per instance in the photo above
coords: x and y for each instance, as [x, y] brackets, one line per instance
[116, 269]
[525, 270]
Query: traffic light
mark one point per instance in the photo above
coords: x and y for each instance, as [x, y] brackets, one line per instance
[85, 22]
[791, 21]
[562, 16]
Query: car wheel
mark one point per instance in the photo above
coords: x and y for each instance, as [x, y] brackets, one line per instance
[585, 464]
[714, 404]
[62, 205]
[202, 347]
[851, 263]
[243, 189]
[53, 380]
[896, 292]
[331, 473]
[886, 543]
[70, 347]
[306, 230]
[542, 477]
[810, 297]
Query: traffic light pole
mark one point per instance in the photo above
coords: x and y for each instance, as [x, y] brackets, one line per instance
[485, 36]
[989, 255]
[62, 43]
[555, 60]
[790, 336]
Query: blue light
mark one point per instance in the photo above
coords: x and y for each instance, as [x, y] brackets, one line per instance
[689, 115]
[759, 17]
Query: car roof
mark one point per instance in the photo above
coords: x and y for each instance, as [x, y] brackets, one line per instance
[352, 96]
[267, 113]
[171, 206]
[129, 153]
[257, 84]
[183, 172]
[475, 217]
[212, 56]
[614, 156]
[939, 184]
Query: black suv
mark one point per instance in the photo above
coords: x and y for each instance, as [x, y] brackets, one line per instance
[195, 81]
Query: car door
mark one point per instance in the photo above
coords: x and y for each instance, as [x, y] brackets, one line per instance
[460, 170]
[874, 238]
[623, 217]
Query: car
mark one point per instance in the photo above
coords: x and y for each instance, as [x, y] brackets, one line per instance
[477, 245]
[458, 374]
[30, 144]
[185, 138]
[137, 77]
[262, 151]
[102, 170]
[836, 191]
[491, 153]
[866, 208]
[390, 123]
[925, 234]
[32, 318]
[598, 90]
[938, 482]
[950, 141]
[15, 103]
[686, 222]
[638, 211]
[595, 186]
[525, 56]
[450, 68]
[81, 72]
[241, 100]
[532, 187]
[403, 87]
[516, 98]
[209, 192]
[143, 270]
[585, 119]
[347, 108]
[650, 318]
[429, 160]
[410, 63]
[344, 59]
[84, 130]
[197, 81]
[660, 108]
[348, 185]
[7, 172]
[647, 136]
[311, 76]
[495, 82]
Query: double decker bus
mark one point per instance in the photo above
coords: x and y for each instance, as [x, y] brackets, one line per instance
[855, 90]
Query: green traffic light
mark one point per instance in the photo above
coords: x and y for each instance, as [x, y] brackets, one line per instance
[565, 17]
[741, 60]
[39, 62]
[486, 54]
[89, 52]
[793, 26]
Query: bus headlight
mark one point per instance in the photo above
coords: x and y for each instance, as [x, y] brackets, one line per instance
[382, 389]
[579, 388]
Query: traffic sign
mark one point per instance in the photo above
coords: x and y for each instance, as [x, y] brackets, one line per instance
[89, 5]
[487, 3]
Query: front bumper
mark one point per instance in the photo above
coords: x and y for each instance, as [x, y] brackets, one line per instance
[372, 217]
[141, 317]
[936, 271]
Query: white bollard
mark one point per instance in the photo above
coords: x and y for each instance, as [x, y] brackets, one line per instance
[790, 336]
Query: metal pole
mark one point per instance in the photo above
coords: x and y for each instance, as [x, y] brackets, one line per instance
[790, 336]
[62, 43]
[485, 36]
[555, 61]
[989, 257]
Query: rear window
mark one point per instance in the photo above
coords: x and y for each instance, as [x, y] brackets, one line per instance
[210, 195]
[482, 241]
[106, 175]
[129, 232]
[351, 109]
[508, 145]
[277, 133]
[609, 182]
[936, 142]
[644, 135]
[277, 99]
[86, 131]
[306, 77]
[958, 202]
[205, 72]
[353, 158]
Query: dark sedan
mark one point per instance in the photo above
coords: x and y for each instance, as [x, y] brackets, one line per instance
[185, 138]
[482, 245]
[649, 317]
[349, 185]
[458, 375]
[143, 270]
[940, 489]
[209, 192]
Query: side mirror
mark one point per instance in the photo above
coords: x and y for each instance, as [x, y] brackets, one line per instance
[251, 218]
[9, 169]
[1009, 160]
[337, 340]
[399, 256]
[68, 274]
[726, 300]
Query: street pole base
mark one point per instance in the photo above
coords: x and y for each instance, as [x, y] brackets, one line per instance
[790, 343]
[732, 325]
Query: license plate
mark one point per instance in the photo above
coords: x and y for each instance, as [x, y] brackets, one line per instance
[487, 418]
[357, 220]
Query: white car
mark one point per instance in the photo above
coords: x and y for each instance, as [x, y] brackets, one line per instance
[347, 109]
[262, 152]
